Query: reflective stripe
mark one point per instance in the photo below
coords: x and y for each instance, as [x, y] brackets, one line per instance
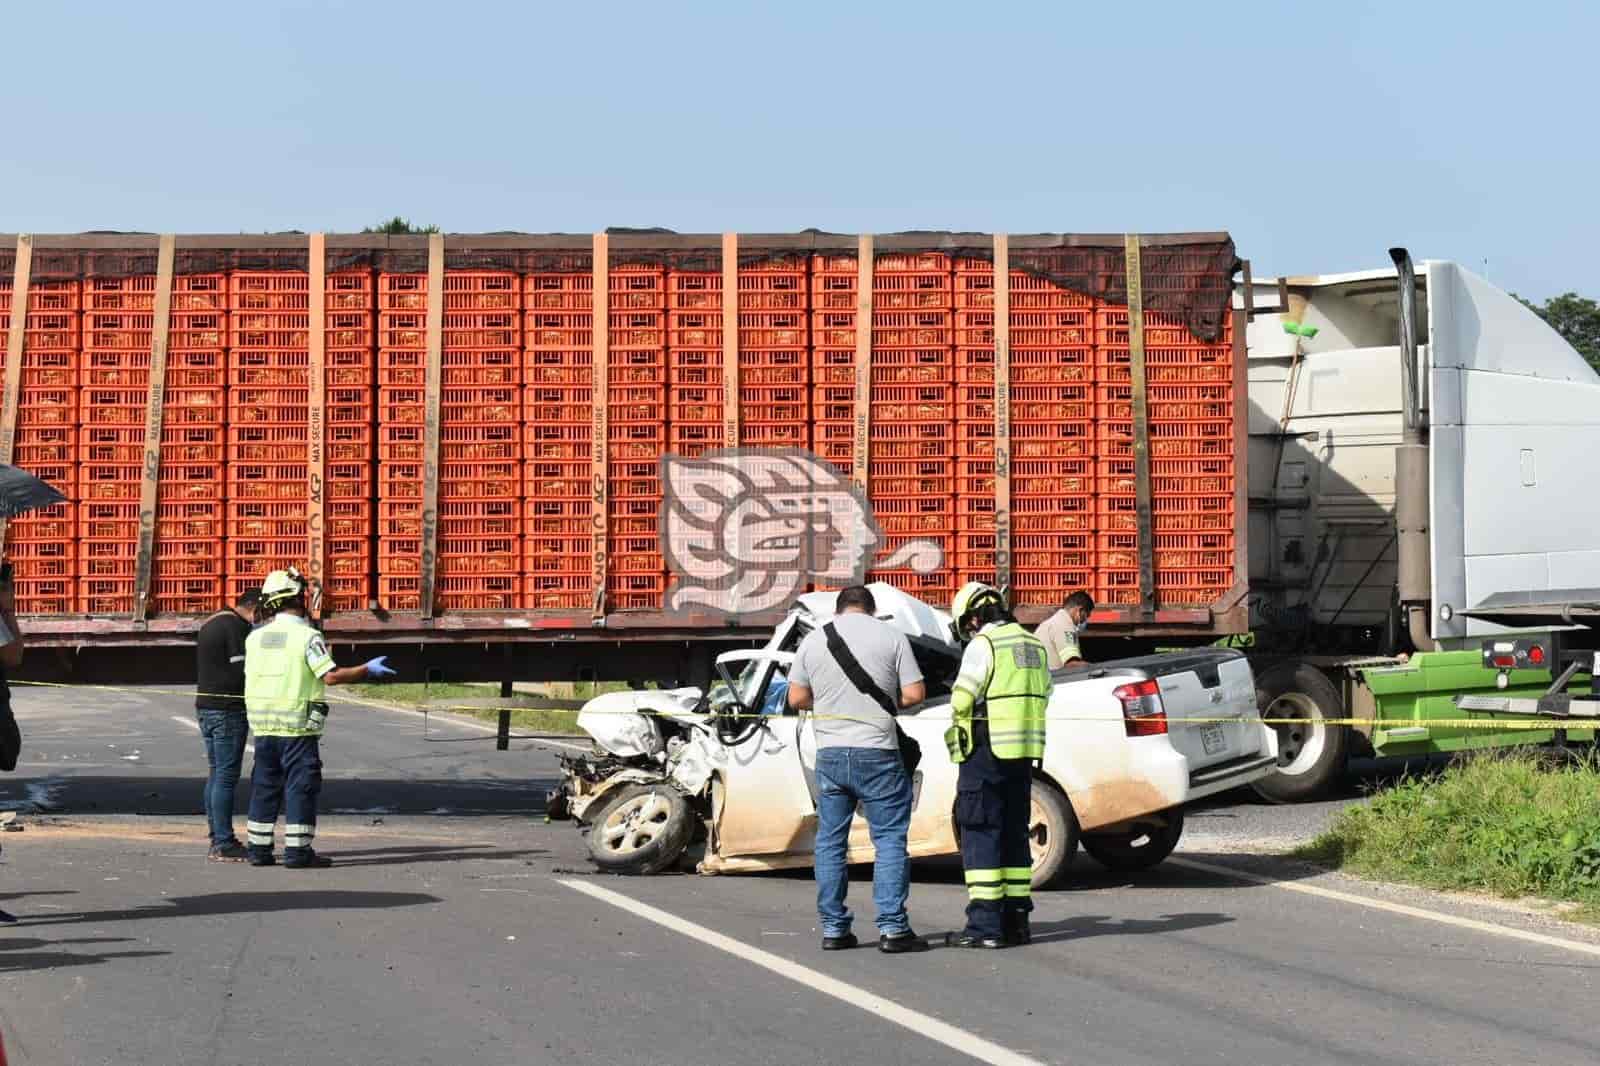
[1017, 873]
[986, 892]
[977, 664]
[985, 877]
[259, 827]
[1018, 890]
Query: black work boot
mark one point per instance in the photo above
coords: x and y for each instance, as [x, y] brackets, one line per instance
[1018, 929]
[305, 859]
[842, 942]
[968, 939]
[260, 856]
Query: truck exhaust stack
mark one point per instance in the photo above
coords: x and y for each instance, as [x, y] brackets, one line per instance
[1415, 576]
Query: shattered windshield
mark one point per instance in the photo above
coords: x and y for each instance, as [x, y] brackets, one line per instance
[746, 685]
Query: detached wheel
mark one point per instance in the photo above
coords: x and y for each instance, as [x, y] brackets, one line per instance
[1052, 834]
[1298, 700]
[1138, 848]
[643, 829]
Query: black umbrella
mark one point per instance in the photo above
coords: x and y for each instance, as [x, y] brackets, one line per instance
[21, 492]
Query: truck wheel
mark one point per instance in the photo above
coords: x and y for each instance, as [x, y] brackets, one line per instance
[1138, 848]
[643, 829]
[1052, 833]
[1299, 699]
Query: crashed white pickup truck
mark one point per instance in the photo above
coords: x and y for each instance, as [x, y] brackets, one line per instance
[726, 778]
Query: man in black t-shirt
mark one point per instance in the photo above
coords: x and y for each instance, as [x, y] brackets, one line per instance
[219, 705]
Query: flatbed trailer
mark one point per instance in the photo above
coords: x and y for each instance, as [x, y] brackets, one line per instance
[1180, 284]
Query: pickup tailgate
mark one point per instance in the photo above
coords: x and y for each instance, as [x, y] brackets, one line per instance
[1210, 697]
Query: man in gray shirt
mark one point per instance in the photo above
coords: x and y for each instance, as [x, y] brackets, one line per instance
[858, 763]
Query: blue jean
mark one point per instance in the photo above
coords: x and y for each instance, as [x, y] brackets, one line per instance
[876, 779]
[224, 734]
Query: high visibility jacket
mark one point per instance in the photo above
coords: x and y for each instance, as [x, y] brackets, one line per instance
[1004, 682]
[284, 663]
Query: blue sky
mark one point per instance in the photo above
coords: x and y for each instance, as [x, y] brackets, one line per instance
[1317, 134]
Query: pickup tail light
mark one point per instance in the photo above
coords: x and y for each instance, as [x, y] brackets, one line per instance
[1143, 714]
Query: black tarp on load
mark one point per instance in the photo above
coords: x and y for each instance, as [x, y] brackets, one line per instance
[1187, 275]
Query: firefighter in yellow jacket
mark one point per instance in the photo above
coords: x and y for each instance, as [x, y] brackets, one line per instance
[286, 666]
[997, 735]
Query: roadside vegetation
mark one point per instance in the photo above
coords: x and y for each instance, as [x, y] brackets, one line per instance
[483, 700]
[1513, 824]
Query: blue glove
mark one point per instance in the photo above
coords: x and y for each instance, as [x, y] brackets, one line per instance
[379, 667]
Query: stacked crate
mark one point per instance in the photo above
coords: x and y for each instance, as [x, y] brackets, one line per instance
[911, 476]
[558, 387]
[1189, 400]
[833, 361]
[268, 431]
[694, 362]
[42, 544]
[478, 548]
[774, 361]
[974, 415]
[1051, 446]
[774, 404]
[637, 410]
[118, 323]
[773, 398]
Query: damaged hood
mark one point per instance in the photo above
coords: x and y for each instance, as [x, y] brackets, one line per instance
[624, 723]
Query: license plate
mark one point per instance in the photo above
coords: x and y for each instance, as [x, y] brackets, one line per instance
[1212, 738]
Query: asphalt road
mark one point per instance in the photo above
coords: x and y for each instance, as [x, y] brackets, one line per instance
[477, 934]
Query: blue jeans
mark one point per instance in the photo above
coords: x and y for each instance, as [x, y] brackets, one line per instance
[224, 734]
[876, 779]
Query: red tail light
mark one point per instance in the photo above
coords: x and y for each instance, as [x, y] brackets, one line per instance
[1142, 712]
[1536, 655]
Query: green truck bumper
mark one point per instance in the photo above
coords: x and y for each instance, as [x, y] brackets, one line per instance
[1417, 715]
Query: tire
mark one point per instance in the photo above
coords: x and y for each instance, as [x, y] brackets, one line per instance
[643, 829]
[1311, 754]
[1052, 834]
[1139, 848]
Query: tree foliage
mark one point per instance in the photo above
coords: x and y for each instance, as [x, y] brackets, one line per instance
[1576, 318]
[399, 225]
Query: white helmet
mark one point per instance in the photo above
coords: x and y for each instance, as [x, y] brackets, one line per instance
[281, 586]
[972, 596]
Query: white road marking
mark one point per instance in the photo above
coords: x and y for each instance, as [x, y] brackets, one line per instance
[464, 722]
[1395, 908]
[192, 724]
[923, 1025]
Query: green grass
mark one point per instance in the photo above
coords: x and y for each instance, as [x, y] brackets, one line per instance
[1512, 824]
[524, 719]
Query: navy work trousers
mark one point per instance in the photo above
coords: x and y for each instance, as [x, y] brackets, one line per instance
[993, 809]
[287, 778]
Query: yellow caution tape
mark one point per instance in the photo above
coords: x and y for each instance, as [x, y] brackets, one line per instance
[1519, 722]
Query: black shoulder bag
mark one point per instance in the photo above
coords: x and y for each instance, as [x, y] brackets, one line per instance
[910, 750]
